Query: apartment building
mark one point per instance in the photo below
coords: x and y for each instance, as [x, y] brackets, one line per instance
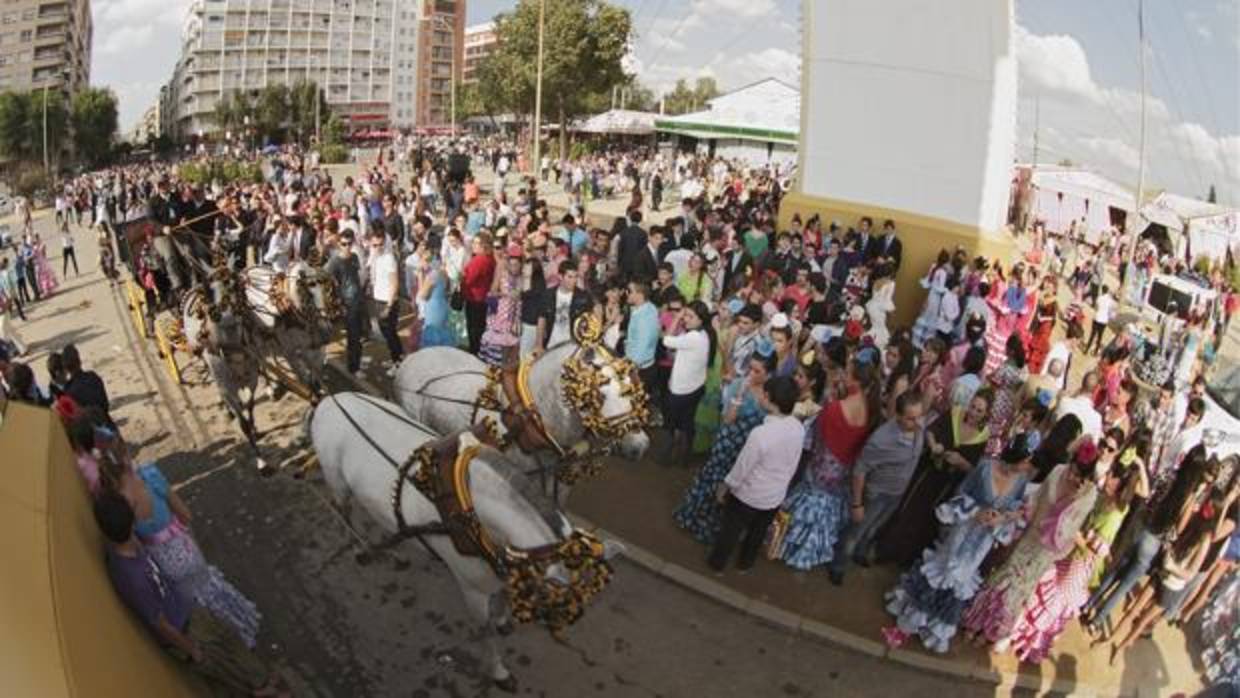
[441, 42]
[45, 44]
[480, 40]
[364, 53]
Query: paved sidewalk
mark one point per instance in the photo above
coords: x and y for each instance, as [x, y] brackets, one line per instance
[634, 502]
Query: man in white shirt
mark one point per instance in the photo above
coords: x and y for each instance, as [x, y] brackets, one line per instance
[1104, 308]
[758, 481]
[1082, 406]
[383, 291]
[278, 247]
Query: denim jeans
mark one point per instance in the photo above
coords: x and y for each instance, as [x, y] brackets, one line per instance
[858, 537]
[1124, 576]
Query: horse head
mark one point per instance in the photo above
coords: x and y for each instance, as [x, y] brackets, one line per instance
[606, 391]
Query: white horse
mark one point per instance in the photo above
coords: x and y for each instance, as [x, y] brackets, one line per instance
[361, 441]
[214, 329]
[440, 386]
[296, 311]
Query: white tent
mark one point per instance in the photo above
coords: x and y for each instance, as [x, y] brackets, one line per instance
[1062, 196]
[758, 123]
[1197, 228]
[619, 121]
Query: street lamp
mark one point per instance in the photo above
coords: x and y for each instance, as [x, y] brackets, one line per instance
[437, 19]
[537, 161]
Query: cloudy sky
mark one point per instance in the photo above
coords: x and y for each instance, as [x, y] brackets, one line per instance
[1078, 63]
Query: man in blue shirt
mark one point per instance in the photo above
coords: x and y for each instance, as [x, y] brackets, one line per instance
[190, 632]
[642, 337]
[576, 235]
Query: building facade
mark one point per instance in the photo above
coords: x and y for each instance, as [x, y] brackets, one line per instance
[362, 52]
[441, 42]
[45, 44]
[148, 127]
[480, 40]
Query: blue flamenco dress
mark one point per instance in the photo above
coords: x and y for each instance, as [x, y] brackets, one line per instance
[436, 329]
[931, 598]
[818, 506]
[699, 513]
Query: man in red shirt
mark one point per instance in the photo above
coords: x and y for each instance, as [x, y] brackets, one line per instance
[475, 285]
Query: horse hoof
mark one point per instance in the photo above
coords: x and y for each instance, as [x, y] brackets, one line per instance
[507, 685]
[505, 628]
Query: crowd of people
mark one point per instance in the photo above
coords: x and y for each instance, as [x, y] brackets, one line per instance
[1018, 482]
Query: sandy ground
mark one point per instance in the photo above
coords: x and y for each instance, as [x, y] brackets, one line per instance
[396, 627]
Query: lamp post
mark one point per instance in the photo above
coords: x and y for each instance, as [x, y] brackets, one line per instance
[537, 161]
[47, 169]
[437, 19]
[318, 98]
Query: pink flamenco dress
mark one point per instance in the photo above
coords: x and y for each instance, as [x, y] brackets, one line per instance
[1058, 512]
[43, 269]
[1064, 588]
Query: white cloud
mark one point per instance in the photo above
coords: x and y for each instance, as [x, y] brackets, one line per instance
[126, 38]
[1099, 125]
[742, 69]
[1113, 149]
[1055, 63]
[1197, 22]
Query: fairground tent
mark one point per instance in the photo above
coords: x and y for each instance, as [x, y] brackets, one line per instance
[1196, 228]
[758, 123]
[1058, 197]
[624, 122]
[65, 632]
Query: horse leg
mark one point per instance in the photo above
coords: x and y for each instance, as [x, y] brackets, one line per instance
[251, 431]
[478, 603]
[498, 616]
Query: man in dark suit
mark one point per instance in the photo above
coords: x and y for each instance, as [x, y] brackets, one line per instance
[561, 306]
[677, 238]
[737, 266]
[886, 250]
[864, 234]
[302, 245]
[632, 242]
[646, 267]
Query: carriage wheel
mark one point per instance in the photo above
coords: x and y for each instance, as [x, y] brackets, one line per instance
[168, 351]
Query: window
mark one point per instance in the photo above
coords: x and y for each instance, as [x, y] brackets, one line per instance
[28, 14]
[8, 18]
[26, 35]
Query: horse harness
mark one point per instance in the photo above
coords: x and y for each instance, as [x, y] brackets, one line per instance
[439, 470]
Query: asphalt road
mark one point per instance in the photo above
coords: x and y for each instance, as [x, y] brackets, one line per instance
[396, 626]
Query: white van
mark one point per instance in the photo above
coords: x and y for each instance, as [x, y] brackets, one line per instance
[1188, 296]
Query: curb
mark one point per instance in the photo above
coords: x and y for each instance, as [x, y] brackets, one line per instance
[813, 628]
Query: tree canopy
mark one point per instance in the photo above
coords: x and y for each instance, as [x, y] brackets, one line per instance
[683, 99]
[94, 120]
[277, 112]
[584, 43]
[21, 124]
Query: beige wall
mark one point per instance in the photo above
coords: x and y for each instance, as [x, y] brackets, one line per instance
[64, 631]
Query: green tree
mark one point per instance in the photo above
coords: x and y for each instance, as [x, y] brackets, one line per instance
[21, 124]
[272, 109]
[302, 97]
[583, 44]
[232, 110]
[93, 116]
[683, 99]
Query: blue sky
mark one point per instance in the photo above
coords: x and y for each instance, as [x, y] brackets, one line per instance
[1078, 66]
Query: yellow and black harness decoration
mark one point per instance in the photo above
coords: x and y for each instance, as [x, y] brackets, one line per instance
[583, 378]
[440, 472]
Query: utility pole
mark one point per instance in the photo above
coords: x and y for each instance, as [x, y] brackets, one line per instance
[47, 170]
[1133, 233]
[542, 8]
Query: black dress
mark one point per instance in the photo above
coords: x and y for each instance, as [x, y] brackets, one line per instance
[914, 525]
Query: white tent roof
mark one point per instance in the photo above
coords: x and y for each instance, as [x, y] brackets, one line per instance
[621, 121]
[767, 110]
[1086, 185]
[1175, 210]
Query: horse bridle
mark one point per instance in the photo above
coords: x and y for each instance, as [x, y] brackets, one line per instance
[439, 470]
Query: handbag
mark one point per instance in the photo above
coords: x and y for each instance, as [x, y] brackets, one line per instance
[779, 529]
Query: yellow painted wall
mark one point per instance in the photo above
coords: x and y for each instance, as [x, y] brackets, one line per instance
[63, 631]
[922, 238]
